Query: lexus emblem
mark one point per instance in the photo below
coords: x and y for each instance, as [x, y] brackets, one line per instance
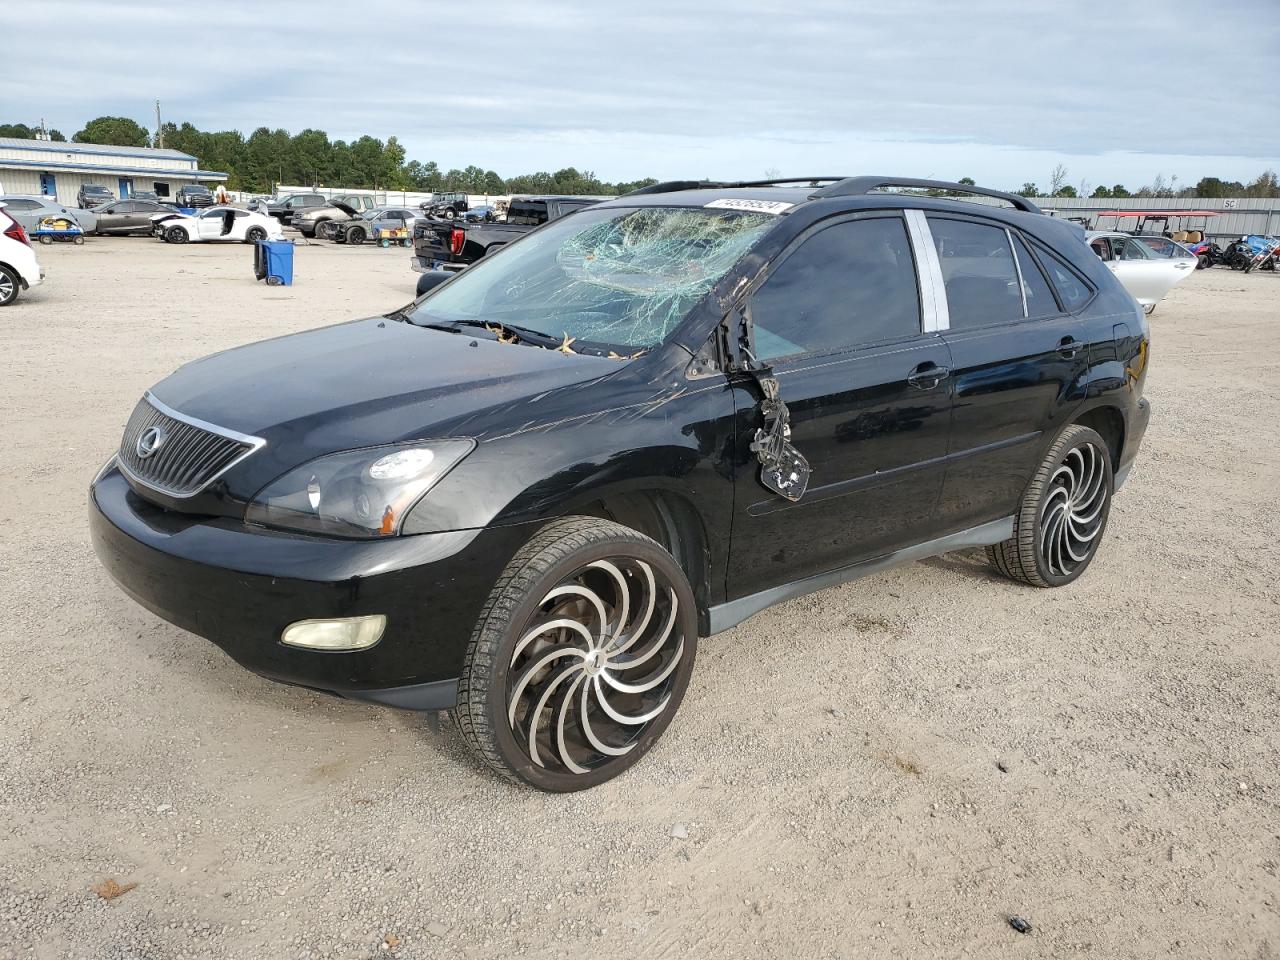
[149, 441]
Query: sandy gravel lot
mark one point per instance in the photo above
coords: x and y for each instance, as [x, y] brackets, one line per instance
[890, 768]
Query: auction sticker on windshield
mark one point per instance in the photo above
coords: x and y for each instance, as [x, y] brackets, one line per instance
[755, 206]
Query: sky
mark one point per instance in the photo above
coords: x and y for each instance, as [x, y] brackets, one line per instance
[1002, 92]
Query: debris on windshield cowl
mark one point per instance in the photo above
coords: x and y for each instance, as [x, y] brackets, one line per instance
[613, 355]
[567, 347]
[504, 335]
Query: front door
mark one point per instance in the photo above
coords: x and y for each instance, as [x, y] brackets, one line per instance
[48, 185]
[1019, 363]
[839, 318]
[211, 224]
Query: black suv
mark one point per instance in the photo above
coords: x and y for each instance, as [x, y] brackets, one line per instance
[447, 205]
[91, 195]
[528, 494]
[193, 195]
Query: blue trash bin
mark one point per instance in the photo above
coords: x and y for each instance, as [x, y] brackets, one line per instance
[273, 262]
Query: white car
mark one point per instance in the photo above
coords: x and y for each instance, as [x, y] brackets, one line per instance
[1143, 271]
[19, 268]
[216, 223]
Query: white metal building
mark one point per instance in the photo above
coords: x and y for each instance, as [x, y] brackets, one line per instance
[59, 169]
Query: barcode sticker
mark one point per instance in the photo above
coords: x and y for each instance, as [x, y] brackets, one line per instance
[754, 206]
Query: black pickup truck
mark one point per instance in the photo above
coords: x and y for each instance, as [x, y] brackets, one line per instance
[452, 245]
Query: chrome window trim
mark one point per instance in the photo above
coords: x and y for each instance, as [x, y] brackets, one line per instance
[934, 312]
[255, 444]
[1017, 265]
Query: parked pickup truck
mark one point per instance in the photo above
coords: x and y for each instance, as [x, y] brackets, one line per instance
[452, 245]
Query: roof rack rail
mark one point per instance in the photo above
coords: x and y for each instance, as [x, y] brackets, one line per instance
[858, 186]
[675, 186]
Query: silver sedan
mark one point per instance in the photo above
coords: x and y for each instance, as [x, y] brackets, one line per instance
[28, 211]
[1147, 271]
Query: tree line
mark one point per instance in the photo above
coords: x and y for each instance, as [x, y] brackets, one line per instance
[1266, 184]
[267, 157]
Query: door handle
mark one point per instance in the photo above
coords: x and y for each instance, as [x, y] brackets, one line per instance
[1069, 347]
[928, 375]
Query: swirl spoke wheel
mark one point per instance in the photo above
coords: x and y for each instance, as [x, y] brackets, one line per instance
[581, 658]
[1063, 513]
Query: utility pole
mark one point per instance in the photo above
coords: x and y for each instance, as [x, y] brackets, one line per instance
[159, 141]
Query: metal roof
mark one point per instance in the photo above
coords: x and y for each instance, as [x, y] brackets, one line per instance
[71, 166]
[101, 149]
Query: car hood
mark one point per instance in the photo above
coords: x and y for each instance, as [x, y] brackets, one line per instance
[365, 383]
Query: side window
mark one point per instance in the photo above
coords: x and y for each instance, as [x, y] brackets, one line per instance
[22, 204]
[1133, 250]
[1160, 246]
[1102, 248]
[849, 284]
[1075, 293]
[1040, 301]
[978, 270]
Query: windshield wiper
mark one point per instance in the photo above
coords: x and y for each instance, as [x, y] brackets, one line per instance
[507, 330]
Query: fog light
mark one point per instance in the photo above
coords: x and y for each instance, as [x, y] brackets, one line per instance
[343, 633]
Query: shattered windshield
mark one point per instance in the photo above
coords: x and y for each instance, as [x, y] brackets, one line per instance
[619, 276]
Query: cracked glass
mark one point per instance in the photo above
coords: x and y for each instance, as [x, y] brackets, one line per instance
[620, 277]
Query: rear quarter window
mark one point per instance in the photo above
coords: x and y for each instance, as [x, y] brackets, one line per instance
[1073, 290]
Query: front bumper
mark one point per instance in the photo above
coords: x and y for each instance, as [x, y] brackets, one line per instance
[240, 586]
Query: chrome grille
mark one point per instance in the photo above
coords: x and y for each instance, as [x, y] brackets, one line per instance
[191, 455]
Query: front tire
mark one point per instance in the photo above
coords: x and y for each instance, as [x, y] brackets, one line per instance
[580, 658]
[254, 234]
[176, 235]
[1064, 512]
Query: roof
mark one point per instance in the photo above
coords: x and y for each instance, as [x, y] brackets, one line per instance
[101, 149]
[72, 166]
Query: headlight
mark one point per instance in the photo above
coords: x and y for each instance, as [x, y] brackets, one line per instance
[358, 493]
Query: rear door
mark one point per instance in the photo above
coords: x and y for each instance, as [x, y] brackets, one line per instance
[1146, 277]
[864, 374]
[1020, 362]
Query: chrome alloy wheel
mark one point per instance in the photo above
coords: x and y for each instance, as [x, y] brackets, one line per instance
[8, 287]
[1073, 513]
[594, 666]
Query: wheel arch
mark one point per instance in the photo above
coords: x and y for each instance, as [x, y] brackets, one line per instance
[1108, 421]
[22, 280]
[673, 521]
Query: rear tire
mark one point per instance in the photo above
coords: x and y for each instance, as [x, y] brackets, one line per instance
[1063, 514]
[10, 286]
[580, 658]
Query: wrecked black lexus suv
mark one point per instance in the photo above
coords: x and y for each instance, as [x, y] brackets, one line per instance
[527, 495]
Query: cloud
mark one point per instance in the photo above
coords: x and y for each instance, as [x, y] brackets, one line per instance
[679, 88]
